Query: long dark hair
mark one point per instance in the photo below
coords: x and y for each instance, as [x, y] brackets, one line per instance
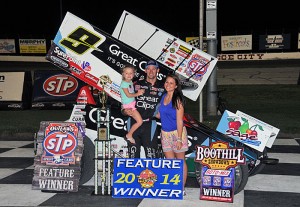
[177, 95]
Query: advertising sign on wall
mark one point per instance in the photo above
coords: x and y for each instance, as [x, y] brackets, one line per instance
[36, 46]
[11, 86]
[15, 90]
[237, 42]
[259, 56]
[55, 89]
[275, 42]
[7, 46]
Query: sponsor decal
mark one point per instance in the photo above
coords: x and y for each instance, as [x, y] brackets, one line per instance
[16, 106]
[219, 156]
[59, 104]
[246, 129]
[183, 52]
[147, 178]
[60, 85]
[62, 55]
[91, 78]
[80, 43]
[197, 67]
[86, 66]
[34, 105]
[59, 62]
[59, 144]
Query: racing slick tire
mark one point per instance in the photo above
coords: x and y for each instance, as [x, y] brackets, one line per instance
[259, 165]
[87, 161]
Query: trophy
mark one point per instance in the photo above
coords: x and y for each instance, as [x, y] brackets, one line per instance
[104, 79]
[102, 95]
[102, 98]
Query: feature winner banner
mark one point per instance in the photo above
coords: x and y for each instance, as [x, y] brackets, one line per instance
[96, 57]
[148, 178]
[57, 163]
[188, 61]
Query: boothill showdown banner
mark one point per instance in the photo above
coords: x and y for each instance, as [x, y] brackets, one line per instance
[96, 58]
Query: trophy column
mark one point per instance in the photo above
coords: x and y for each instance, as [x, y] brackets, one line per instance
[103, 156]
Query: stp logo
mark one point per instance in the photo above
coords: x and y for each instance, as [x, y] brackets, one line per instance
[60, 85]
[60, 143]
[197, 66]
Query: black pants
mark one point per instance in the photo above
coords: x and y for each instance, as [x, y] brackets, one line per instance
[147, 136]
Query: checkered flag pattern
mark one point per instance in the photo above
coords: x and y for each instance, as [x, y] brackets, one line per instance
[194, 42]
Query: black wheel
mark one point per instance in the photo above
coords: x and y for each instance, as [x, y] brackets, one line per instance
[240, 179]
[258, 165]
[87, 161]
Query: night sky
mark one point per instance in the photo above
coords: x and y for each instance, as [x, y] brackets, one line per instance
[41, 19]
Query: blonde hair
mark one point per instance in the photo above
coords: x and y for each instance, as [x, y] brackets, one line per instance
[127, 67]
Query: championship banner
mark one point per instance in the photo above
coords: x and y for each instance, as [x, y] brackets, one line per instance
[148, 178]
[218, 170]
[248, 130]
[96, 57]
[57, 163]
[188, 61]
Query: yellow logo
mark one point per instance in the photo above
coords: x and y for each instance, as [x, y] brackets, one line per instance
[219, 156]
[147, 178]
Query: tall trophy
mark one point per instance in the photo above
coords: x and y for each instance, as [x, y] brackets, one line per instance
[102, 95]
[103, 156]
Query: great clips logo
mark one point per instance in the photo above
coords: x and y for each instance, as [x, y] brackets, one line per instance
[60, 85]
